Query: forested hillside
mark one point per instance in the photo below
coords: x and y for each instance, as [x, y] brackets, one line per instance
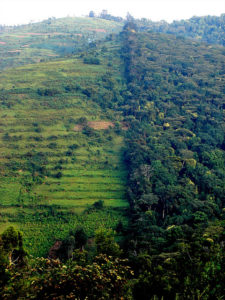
[209, 29]
[137, 119]
[174, 104]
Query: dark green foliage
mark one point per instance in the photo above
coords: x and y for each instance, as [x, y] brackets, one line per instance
[173, 121]
[91, 60]
[11, 253]
[80, 238]
[99, 204]
[105, 243]
[209, 29]
[105, 278]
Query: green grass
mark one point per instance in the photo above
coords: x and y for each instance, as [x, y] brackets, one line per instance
[37, 131]
[46, 40]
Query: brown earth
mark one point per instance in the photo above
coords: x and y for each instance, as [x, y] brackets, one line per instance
[14, 51]
[97, 125]
[54, 249]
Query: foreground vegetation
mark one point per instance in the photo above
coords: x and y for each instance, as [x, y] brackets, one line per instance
[194, 271]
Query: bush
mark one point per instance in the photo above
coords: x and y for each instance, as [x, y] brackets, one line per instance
[91, 61]
[58, 175]
[99, 204]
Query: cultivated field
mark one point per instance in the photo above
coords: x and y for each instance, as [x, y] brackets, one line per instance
[51, 38]
[51, 175]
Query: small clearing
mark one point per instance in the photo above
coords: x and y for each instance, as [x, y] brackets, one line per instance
[97, 30]
[97, 125]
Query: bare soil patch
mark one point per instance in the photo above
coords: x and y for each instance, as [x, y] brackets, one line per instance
[99, 125]
[14, 51]
[97, 30]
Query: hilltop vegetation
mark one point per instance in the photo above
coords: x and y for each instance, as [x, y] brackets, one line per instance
[51, 38]
[209, 29]
[54, 38]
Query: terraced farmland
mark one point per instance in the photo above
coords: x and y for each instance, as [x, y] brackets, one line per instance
[51, 38]
[51, 174]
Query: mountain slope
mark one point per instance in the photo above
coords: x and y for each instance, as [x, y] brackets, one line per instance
[170, 110]
[175, 147]
[59, 151]
[209, 29]
[51, 38]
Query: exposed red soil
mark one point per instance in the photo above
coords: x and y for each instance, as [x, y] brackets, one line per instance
[78, 127]
[14, 51]
[53, 250]
[2, 43]
[97, 125]
[35, 33]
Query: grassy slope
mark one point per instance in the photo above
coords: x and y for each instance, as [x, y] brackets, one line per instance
[42, 41]
[34, 126]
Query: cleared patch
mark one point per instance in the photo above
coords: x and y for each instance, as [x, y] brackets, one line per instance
[97, 30]
[97, 125]
[2, 43]
[14, 51]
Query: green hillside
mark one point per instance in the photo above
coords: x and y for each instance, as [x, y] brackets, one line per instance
[59, 150]
[209, 29]
[138, 120]
[51, 38]
[175, 104]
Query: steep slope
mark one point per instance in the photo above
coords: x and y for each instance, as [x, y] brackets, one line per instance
[174, 105]
[51, 38]
[172, 109]
[60, 152]
[167, 113]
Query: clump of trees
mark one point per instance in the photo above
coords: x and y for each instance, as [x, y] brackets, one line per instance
[103, 276]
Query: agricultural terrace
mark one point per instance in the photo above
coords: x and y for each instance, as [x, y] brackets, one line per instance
[51, 38]
[51, 174]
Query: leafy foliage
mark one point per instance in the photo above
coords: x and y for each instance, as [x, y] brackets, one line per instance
[209, 29]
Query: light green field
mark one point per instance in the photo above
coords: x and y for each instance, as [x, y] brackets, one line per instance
[51, 174]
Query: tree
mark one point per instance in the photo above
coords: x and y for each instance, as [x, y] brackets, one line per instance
[80, 238]
[91, 14]
[105, 243]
